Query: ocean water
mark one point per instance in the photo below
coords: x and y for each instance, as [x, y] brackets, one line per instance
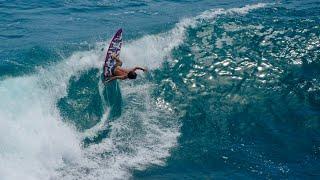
[232, 92]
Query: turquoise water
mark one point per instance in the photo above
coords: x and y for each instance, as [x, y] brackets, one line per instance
[232, 92]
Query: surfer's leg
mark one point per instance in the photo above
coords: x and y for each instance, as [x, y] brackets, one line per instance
[118, 63]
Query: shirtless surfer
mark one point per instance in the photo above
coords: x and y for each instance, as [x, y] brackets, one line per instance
[117, 72]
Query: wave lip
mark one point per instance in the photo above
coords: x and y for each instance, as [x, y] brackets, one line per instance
[151, 50]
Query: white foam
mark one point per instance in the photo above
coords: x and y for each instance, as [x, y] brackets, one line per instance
[36, 144]
[213, 13]
[34, 141]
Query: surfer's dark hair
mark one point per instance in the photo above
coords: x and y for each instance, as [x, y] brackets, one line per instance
[132, 75]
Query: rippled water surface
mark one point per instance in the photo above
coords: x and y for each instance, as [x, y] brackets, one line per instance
[232, 92]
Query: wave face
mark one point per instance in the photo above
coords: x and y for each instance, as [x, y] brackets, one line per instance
[231, 92]
[246, 82]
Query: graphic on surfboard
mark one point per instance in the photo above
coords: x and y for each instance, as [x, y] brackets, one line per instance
[114, 47]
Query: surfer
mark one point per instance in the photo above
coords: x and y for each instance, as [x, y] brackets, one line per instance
[117, 72]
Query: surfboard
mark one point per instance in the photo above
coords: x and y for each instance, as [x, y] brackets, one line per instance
[114, 47]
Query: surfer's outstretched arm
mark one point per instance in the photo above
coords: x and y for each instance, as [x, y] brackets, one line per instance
[139, 68]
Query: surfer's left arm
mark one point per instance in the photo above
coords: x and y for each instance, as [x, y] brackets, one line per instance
[139, 68]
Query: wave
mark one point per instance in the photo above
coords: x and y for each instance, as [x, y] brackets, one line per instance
[37, 144]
